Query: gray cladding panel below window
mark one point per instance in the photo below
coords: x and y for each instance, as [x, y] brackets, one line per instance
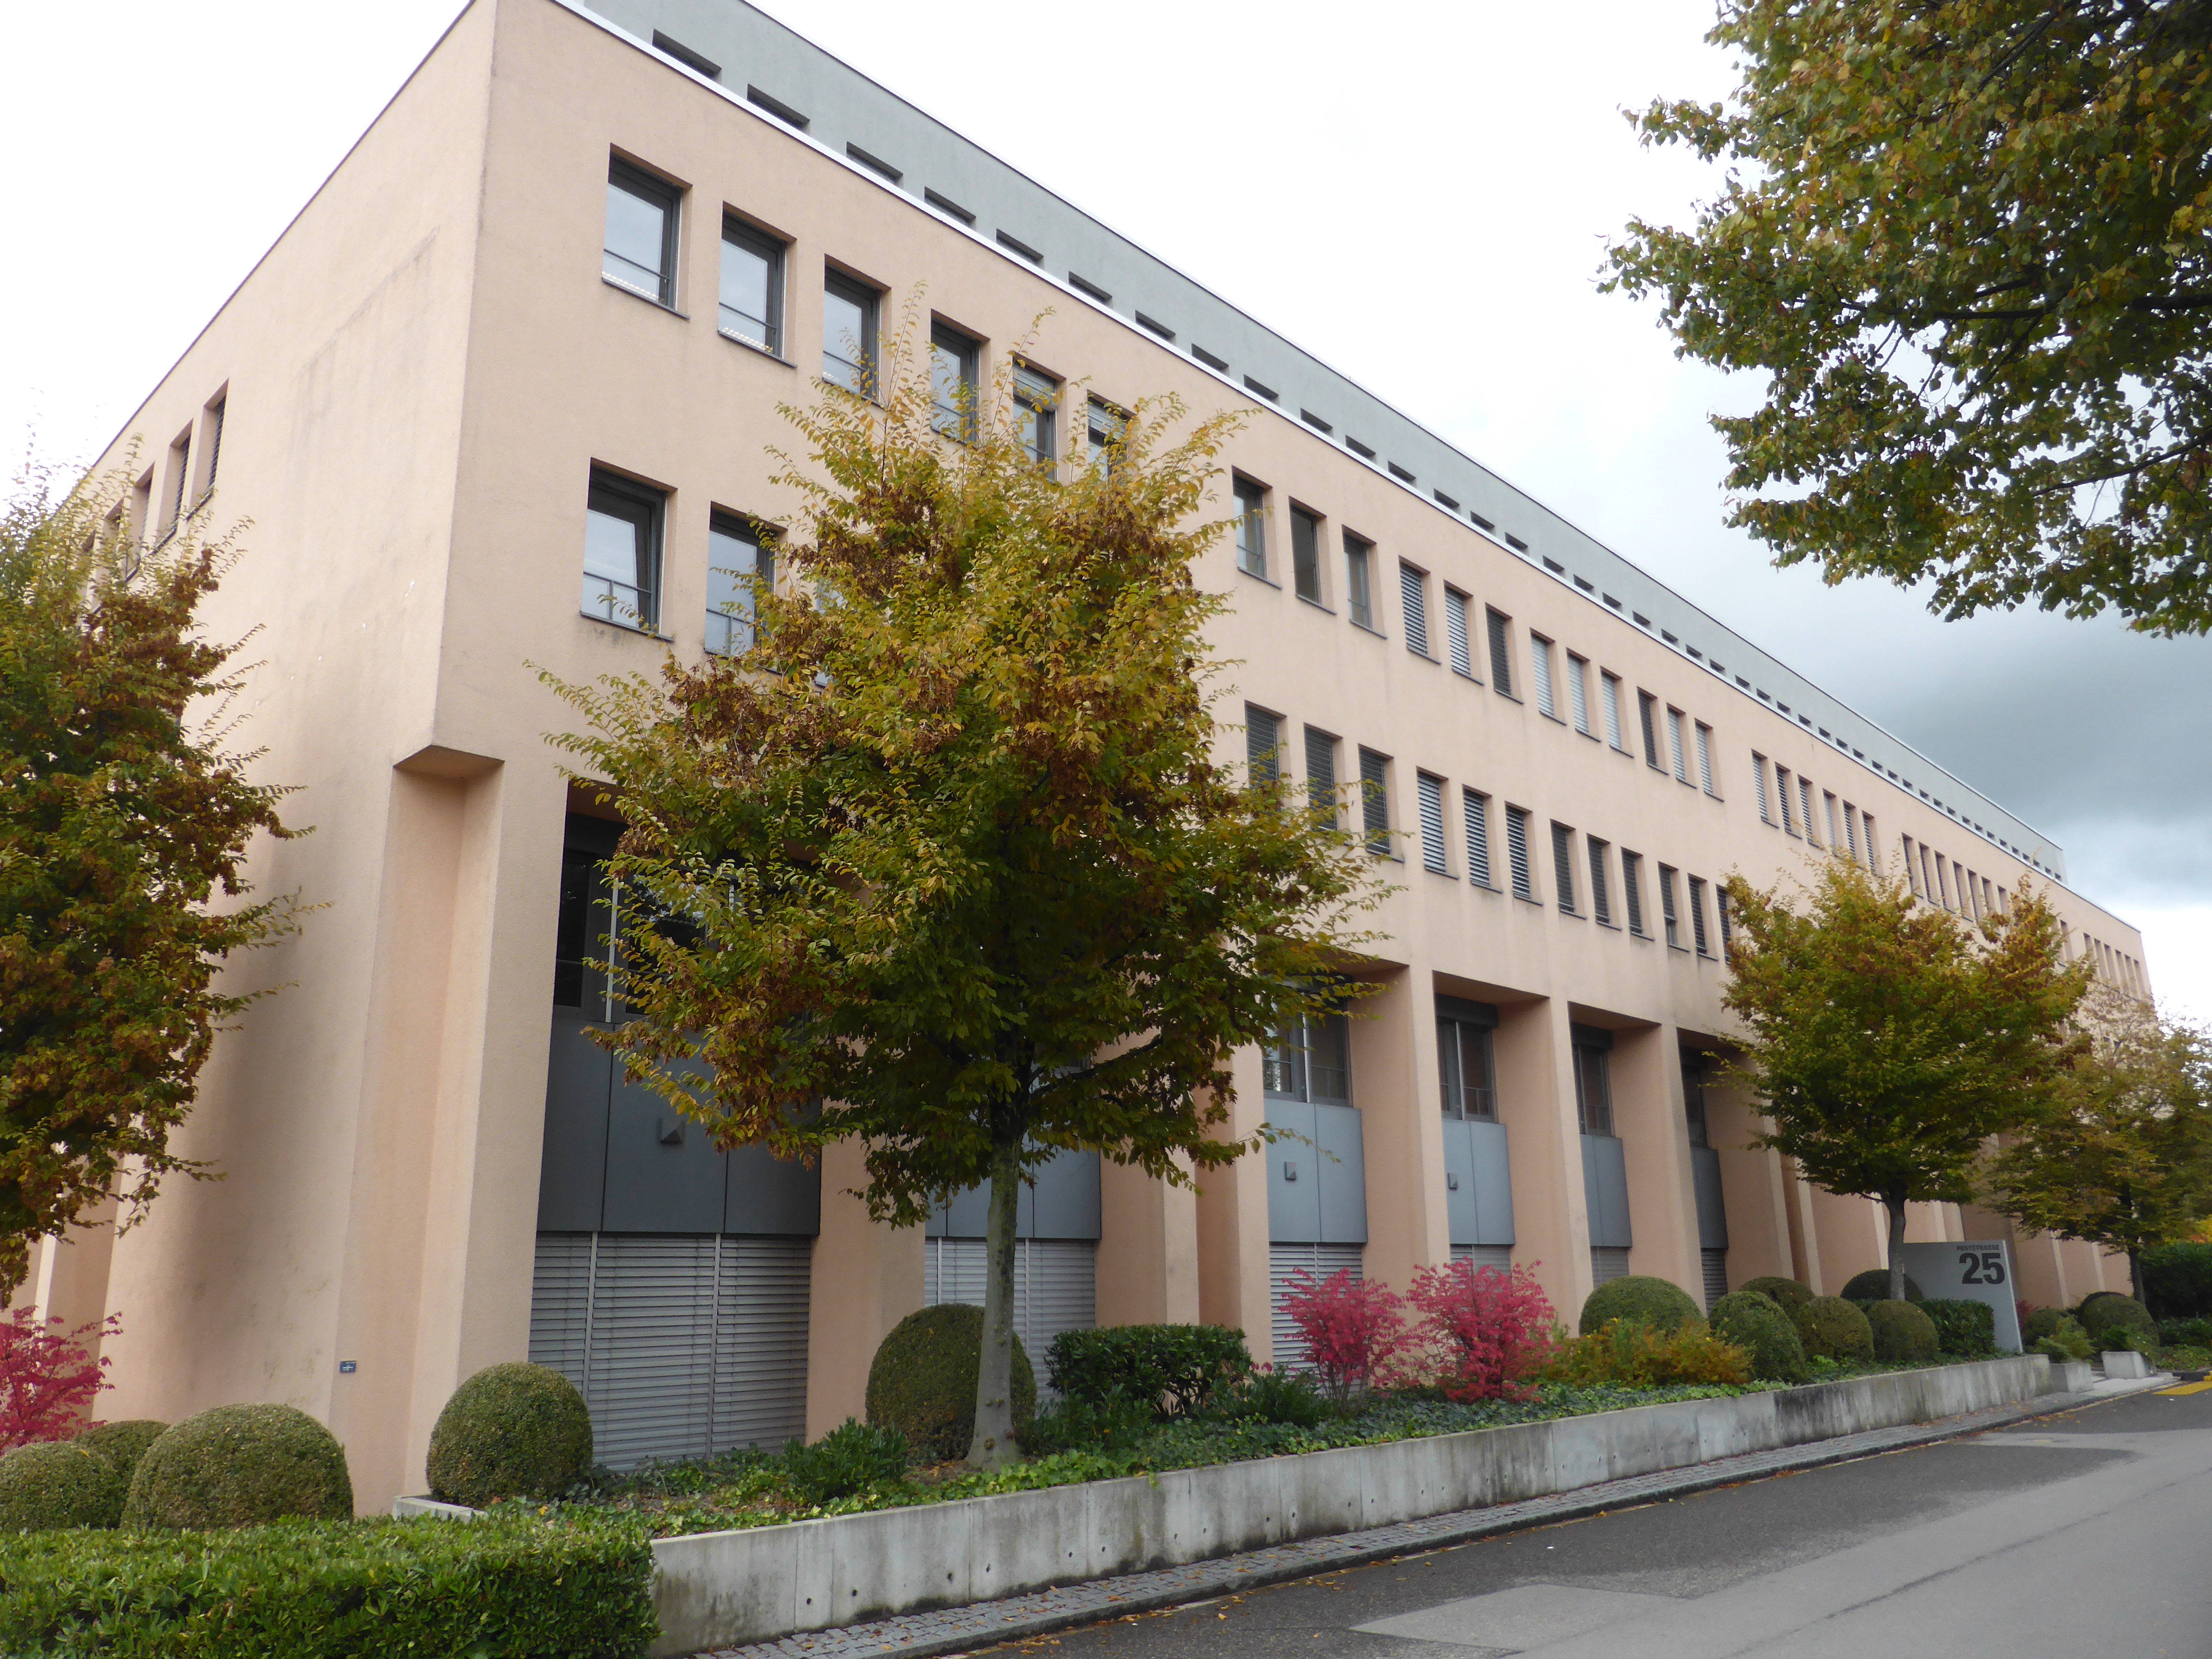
[1481, 1207]
[656, 1184]
[1062, 1202]
[572, 1177]
[1294, 1176]
[1605, 1190]
[1712, 1213]
[1343, 1175]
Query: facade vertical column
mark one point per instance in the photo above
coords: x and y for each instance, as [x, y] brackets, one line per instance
[67, 1282]
[1853, 1234]
[1536, 1103]
[1394, 1084]
[1648, 1114]
[1231, 1218]
[867, 1276]
[1147, 1249]
[1753, 1186]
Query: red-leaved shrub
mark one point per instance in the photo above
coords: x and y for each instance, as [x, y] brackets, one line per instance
[46, 1377]
[1352, 1329]
[1480, 1330]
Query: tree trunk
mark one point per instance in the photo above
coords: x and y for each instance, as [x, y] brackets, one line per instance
[994, 1448]
[2135, 1275]
[1896, 1204]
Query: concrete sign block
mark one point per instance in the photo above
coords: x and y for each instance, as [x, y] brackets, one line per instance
[1977, 1270]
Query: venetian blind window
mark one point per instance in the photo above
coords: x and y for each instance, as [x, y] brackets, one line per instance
[1540, 668]
[1476, 806]
[1037, 398]
[1359, 573]
[1632, 885]
[1835, 836]
[1563, 865]
[1578, 692]
[953, 367]
[1698, 915]
[1851, 829]
[180, 481]
[1873, 847]
[1251, 527]
[1705, 758]
[1375, 801]
[1610, 684]
[639, 251]
[1782, 788]
[849, 334]
[1413, 600]
[1263, 741]
[1758, 781]
[1432, 824]
[751, 302]
[1805, 800]
[737, 568]
[1647, 710]
[211, 442]
[1305, 554]
[1456, 641]
[1107, 426]
[1911, 871]
[1675, 745]
[1516, 852]
[1720, 909]
[1321, 777]
[1600, 898]
[622, 553]
[1501, 662]
[1666, 906]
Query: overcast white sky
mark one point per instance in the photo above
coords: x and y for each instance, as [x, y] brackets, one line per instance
[1421, 194]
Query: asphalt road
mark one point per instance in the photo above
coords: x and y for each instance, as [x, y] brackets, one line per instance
[2088, 1532]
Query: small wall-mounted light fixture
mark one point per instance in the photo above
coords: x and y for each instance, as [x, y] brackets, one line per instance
[1289, 1170]
[348, 1367]
[1451, 1183]
[670, 1130]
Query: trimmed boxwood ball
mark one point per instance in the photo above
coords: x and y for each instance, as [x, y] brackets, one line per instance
[58, 1483]
[1901, 1332]
[1832, 1328]
[1785, 1293]
[1637, 1300]
[923, 1381]
[122, 1443]
[511, 1430]
[2102, 1309]
[1872, 1286]
[1757, 1322]
[238, 1466]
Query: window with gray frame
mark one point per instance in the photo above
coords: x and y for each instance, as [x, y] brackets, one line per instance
[1108, 424]
[639, 250]
[1038, 397]
[1666, 906]
[1675, 745]
[1432, 792]
[622, 553]
[1413, 600]
[1593, 1085]
[1456, 639]
[1501, 660]
[1610, 684]
[1476, 806]
[751, 307]
[1309, 1060]
[1251, 526]
[1647, 707]
[1805, 800]
[1516, 853]
[1698, 916]
[1705, 759]
[1375, 801]
[955, 364]
[1563, 866]
[1631, 893]
[1782, 788]
[739, 565]
[1600, 897]
[1758, 782]
[1263, 744]
[1468, 1068]
[849, 316]
[1578, 692]
[1540, 669]
[1305, 554]
[1321, 777]
[1358, 579]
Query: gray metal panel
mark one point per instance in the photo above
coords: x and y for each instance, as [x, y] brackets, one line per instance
[1293, 1177]
[572, 1174]
[650, 1383]
[1605, 1190]
[1343, 1175]
[1285, 1263]
[1478, 1013]
[1064, 1201]
[1460, 1212]
[1712, 1213]
[1493, 1184]
[968, 1215]
[762, 1301]
[1593, 1202]
[678, 1185]
[771, 1195]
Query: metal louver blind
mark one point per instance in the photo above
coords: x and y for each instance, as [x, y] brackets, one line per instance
[1805, 799]
[1612, 688]
[1517, 852]
[1716, 1270]
[1540, 663]
[1644, 701]
[1578, 692]
[1055, 1285]
[1432, 824]
[1608, 1263]
[1285, 1261]
[1413, 596]
[1698, 913]
[1629, 890]
[1601, 901]
[1562, 865]
[1758, 778]
[1674, 747]
[1321, 777]
[1375, 801]
[1263, 737]
[1705, 760]
[1456, 632]
[1499, 1256]
[1501, 665]
[1477, 808]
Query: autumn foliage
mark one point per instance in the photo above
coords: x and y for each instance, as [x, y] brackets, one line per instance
[1479, 1331]
[47, 1377]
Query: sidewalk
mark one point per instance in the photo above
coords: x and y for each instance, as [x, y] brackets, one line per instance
[954, 1630]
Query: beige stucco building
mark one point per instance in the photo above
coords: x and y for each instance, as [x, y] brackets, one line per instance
[532, 334]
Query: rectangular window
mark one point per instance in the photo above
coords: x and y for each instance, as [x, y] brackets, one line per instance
[1321, 777]
[1108, 424]
[739, 566]
[639, 250]
[1705, 759]
[622, 553]
[954, 368]
[1851, 829]
[1942, 882]
[849, 334]
[1563, 865]
[752, 286]
[1805, 800]
[1698, 915]
[1516, 852]
[1501, 660]
[1477, 808]
[1873, 848]
[1601, 898]
[1432, 824]
[1359, 565]
[1675, 745]
[1578, 693]
[1263, 744]
[1631, 890]
[1782, 788]
[1720, 909]
[176, 486]
[1540, 667]
[1251, 526]
[1037, 396]
[1305, 554]
[1414, 600]
[1610, 684]
[1593, 1085]
[1375, 801]
[1666, 906]
[1911, 871]
[1311, 1058]
[1758, 781]
[1456, 641]
[210, 445]
[1647, 708]
[1835, 835]
[1464, 1066]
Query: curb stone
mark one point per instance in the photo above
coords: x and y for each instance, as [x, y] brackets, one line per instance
[960, 1630]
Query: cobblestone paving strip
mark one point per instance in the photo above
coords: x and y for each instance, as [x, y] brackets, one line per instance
[957, 1630]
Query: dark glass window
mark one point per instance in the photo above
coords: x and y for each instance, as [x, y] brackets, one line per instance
[1593, 1089]
[1465, 1062]
[622, 553]
[1359, 569]
[1310, 1060]
[738, 565]
[752, 286]
[1305, 554]
[1693, 1099]
[953, 361]
[1251, 527]
[1038, 397]
[849, 334]
[640, 247]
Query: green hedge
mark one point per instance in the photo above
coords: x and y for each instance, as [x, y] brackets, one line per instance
[1832, 1328]
[2101, 1310]
[511, 1430]
[1757, 1324]
[1173, 1369]
[924, 1378]
[2178, 1281]
[1902, 1332]
[1638, 1299]
[1963, 1327]
[508, 1585]
[1872, 1286]
[240, 1466]
[1786, 1294]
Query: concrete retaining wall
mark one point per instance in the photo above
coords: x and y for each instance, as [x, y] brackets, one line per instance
[723, 1588]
